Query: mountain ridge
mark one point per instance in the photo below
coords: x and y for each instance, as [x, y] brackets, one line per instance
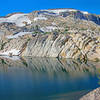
[63, 33]
[50, 9]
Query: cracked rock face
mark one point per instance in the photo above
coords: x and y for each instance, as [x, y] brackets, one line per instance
[63, 46]
[63, 33]
[76, 46]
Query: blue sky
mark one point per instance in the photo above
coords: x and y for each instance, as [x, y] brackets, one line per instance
[9, 6]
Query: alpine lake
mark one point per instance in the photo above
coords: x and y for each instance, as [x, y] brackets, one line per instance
[34, 78]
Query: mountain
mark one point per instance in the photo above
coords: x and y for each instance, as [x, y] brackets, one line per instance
[62, 33]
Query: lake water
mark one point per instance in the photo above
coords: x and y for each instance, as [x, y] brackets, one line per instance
[46, 78]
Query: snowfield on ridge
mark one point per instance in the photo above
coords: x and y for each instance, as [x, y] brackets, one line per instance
[18, 19]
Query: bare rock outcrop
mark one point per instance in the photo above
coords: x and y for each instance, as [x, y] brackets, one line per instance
[94, 95]
[63, 46]
[62, 33]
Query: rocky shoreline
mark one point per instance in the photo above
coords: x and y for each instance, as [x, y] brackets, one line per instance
[94, 95]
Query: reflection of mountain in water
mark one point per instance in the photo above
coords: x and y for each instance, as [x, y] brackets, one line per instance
[48, 65]
[45, 78]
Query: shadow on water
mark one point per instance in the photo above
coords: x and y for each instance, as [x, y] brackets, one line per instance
[46, 78]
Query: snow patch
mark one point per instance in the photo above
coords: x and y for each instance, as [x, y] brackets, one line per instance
[84, 12]
[17, 35]
[54, 23]
[57, 11]
[49, 28]
[14, 58]
[18, 19]
[40, 18]
[14, 52]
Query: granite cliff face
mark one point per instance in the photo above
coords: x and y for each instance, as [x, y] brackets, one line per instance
[62, 33]
[63, 46]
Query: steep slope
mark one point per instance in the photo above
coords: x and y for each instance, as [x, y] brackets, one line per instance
[63, 33]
